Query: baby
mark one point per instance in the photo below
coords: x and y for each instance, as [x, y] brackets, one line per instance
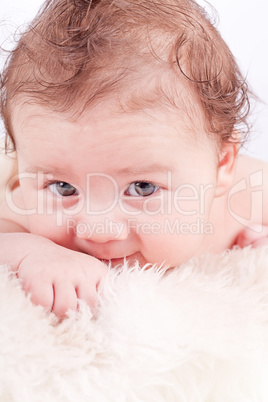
[126, 117]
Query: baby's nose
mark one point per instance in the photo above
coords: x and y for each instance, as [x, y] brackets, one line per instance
[101, 231]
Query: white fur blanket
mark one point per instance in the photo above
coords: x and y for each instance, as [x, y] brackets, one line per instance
[197, 334]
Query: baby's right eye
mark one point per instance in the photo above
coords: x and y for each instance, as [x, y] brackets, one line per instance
[62, 188]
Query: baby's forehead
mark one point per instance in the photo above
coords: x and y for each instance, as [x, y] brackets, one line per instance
[124, 112]
[107, 141]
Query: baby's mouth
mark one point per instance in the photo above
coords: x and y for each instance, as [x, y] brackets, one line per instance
[120, 261]
[114, 262]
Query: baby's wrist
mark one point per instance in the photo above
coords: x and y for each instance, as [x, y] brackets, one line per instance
[16, 246]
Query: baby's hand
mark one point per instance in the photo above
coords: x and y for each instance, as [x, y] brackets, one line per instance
[255, 236]
[57, 277]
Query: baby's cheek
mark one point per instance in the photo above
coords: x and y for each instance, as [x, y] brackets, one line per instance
[174, 241]
[184, 202]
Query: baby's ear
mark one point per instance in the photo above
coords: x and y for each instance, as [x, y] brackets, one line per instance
[226, 167]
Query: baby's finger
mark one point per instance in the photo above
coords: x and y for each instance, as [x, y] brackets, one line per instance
[251, 234]
[260, 242]
[65, 298]
[88, 293]
[41, 294]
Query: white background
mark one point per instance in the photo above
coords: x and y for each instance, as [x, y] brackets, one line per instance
[242, 23]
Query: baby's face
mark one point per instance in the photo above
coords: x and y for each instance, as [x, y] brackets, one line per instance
[112, 184]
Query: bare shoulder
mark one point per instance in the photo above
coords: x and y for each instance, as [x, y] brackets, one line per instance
[247, 166]
[253, 175]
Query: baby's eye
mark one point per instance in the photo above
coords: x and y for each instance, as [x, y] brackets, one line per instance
[141, 189]
[62, 188]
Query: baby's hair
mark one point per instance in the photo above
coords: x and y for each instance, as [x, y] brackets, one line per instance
[77, 53]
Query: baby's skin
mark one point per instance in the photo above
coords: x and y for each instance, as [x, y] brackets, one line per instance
[55, 276]
[114, 186]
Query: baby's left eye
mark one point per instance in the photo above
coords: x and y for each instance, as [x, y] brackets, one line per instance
[62, 188]
[141, 189]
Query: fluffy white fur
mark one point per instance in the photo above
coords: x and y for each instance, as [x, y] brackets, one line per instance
[196, 334]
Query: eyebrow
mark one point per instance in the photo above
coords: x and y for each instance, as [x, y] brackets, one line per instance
[36, 169]
[126, 171]
[45, 171]
[153, 168]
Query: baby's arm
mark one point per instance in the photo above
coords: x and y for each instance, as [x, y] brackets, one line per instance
[55, 277]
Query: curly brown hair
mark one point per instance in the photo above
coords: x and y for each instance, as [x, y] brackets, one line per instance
[78, 52]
